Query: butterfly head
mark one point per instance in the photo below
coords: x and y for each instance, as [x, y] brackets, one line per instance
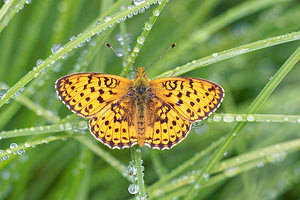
[140, 74]
[141, 81]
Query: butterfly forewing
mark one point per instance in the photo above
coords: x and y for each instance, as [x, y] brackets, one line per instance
[88, 93]
[192, 98]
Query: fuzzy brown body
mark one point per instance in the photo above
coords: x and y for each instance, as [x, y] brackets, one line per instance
[141, 94]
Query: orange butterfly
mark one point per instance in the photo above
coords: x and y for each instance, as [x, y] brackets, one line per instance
[123, 113]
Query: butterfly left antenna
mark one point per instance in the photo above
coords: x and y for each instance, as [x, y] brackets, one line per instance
[108, 45]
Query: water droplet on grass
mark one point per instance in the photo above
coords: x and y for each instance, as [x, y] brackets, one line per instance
[107, 18]
[156, 12]
[27, 144]
[138, 2]
[148, 26]
[65, 56]
[21, 152]
[206, 176]
[3, 93]
[260, 165]
[72, 38]
[39, 61]
[217, 118]
[250, 118]
[68, 126]
[215, 55]
[141, 39]
[13, 146]
[228, 118]
[133, 189]
[55, 48]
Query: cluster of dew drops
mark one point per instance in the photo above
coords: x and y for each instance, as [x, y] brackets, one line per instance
[18, 4]
[133, 188]
[11, 150]
[58, 47]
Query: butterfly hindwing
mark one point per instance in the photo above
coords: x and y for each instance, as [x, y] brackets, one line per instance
[114, 125]
[164, 126]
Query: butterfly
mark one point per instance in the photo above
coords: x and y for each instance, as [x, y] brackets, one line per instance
[157, 113]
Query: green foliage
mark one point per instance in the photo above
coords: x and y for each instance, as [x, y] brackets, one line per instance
[249, 149]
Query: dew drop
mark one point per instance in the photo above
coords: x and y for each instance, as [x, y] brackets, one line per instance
[5, 157]
[239, 118]
[39, 62]
[72, 38]
[250, 118]
[298, 120]
[3, 93]
[231, 171]
[141, 39]
[260, 165]
[241, 51]
[65, 56]
[130, 15]
[18, 93]
[135, 12]
[136, 49]
[21, 152]
[27, 144]
[13, 146]
[156, 12]
[28, 1]
[148, 26]
[228, 118]
[119, 37]
[138, 150]
[44, 71]
[82, 125]
[215, 55]
[129, 170]
[141, 10]
[55, 48]
[68, 126]
[138, 2]
[206, 176]
[107, 18]
[130, 7]
[276, 157]
[217, 118]
[133, 189]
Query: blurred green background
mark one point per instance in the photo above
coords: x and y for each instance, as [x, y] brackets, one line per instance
[68, 169]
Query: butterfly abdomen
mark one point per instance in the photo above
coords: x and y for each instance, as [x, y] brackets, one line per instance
[141, 124]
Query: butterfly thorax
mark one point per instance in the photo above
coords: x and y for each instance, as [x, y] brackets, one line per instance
[141, 90]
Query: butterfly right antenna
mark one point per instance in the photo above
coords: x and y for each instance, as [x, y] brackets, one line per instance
[162, 55]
